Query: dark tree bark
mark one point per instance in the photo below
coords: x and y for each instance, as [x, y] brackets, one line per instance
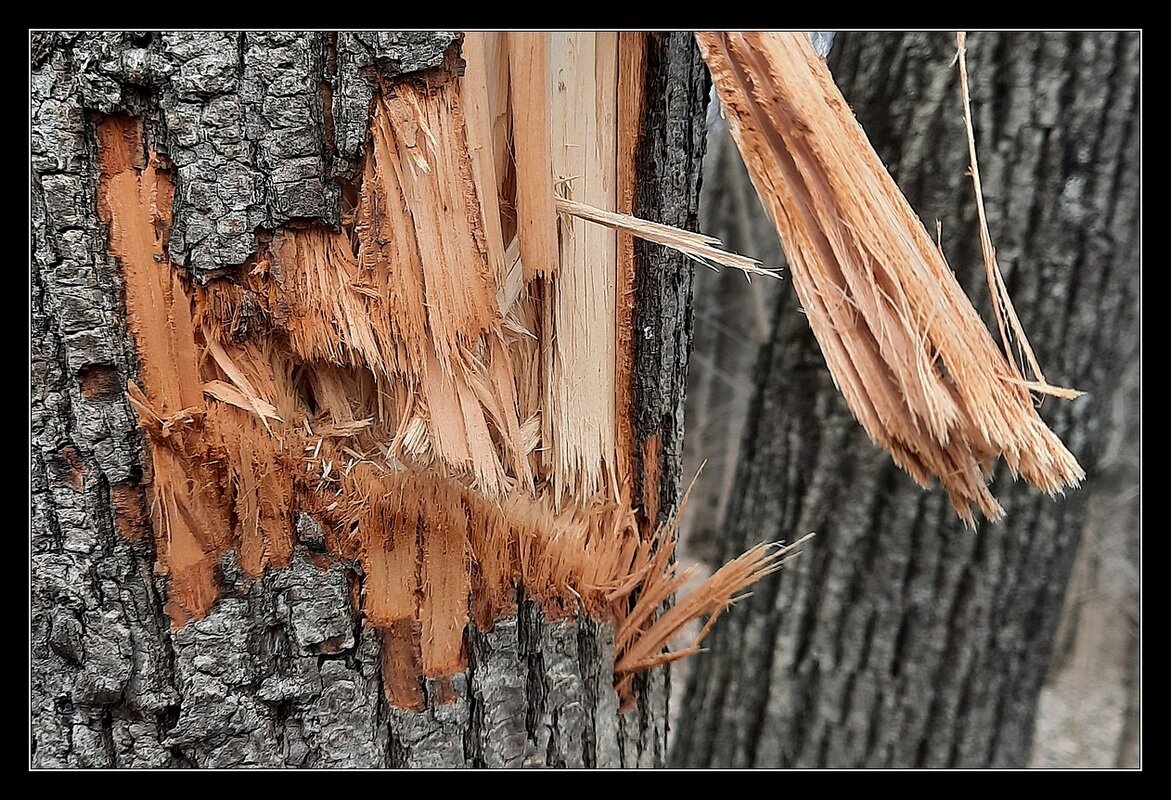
[262, 128]
[899, 638]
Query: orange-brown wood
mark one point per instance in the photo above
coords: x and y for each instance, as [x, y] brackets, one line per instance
[531, 94]
[456, 419]
[631, 80]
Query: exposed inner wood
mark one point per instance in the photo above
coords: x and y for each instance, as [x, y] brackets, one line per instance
[483, 93]
[448, 412]
[582, 314]
[906, 347]
[402, 669]
[189, 513]
[531, 90]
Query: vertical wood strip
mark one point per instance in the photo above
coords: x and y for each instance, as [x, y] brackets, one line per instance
[479, 53]
[528, 63]
[581, 392]
[631, 79]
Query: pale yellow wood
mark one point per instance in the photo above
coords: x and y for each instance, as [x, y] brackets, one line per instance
[581, 389]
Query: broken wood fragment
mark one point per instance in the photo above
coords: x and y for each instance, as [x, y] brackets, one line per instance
[906, 347]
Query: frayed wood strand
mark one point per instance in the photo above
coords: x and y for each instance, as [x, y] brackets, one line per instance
[1006, 316]
[905, 346]
[698, 246]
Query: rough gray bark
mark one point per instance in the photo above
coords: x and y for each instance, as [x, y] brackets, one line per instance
[898, 638]
[670, 159]
[676, 95]
[261, 128]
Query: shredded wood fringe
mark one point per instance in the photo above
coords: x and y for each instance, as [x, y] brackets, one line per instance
[589, 559]
[644, 630]
[1006, 316]
[904, 344]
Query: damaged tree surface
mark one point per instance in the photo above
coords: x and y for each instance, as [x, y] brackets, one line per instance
[304, 407]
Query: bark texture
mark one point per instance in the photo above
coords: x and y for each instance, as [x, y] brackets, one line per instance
[1089, 710]
[668, 191]
[262, 128]
[899, 638]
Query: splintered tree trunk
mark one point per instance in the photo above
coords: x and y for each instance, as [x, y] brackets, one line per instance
[265, 136]
[898, 637]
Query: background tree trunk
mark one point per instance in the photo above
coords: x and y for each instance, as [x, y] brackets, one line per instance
[734, 319]
[262, 128]
[899, 638]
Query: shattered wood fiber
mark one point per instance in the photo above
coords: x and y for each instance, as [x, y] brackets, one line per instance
[907, 349]
[443, 386]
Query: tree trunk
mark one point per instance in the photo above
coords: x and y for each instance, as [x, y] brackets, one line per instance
[898, 638]
[1088, 712]
[263, 129]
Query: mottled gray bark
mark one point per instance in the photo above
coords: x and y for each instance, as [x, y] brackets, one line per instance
[899, 638]
[676, 93]
[261, 128]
